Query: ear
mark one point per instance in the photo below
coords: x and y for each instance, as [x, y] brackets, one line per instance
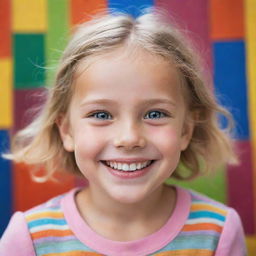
[187, 133]
[65, 133]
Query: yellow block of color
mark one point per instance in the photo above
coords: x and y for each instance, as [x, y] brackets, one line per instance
[250, 35]
[29, 16]
[6, 90]
[251, 245]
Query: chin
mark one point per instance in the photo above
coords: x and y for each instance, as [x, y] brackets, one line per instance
[130, 196]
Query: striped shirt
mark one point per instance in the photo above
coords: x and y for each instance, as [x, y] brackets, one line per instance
[198, 226]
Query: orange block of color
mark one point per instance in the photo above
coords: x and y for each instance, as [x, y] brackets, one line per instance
[5, 28]
[28, 193]
[227, 19]
[82, 10]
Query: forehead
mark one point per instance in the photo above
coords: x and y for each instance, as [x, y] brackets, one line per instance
[127, 70]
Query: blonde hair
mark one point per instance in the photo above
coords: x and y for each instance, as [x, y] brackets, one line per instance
[40, 144]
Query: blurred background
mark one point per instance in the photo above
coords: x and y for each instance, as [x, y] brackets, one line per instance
[34, 32]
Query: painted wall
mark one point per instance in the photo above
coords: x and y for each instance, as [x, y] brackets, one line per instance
[32, 35]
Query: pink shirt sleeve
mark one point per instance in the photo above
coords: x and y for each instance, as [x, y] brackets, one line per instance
[16, 239]
[232, 241]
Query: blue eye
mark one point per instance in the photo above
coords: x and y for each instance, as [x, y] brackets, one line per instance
[155, 114]
[101, 115]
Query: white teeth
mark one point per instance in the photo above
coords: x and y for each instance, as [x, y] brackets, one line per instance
[133, 167]
[128, 167]
[138, 166]
[125, 167]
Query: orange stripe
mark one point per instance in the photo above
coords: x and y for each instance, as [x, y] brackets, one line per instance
[202, 226]
[46, 233]
[189, 252]
[201, 207]
[74, 253]
[55, 215]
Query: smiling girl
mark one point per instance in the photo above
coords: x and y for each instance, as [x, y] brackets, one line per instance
[129, 104]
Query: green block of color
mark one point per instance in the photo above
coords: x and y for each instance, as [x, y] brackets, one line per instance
[57, 34]
[212, 185]
[29, 60]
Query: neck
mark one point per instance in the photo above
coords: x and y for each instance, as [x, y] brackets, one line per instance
[152, 212]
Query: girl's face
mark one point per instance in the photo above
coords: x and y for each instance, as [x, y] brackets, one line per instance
[127, 113]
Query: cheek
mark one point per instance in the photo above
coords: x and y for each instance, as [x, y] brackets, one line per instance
[167, 139]
[88, 142]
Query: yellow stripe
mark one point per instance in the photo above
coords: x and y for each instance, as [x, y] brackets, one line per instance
[189, 252]
[74, 253]
[29, 16]
[34, 216]
[205, 207]
[250, 25]
[6, 98]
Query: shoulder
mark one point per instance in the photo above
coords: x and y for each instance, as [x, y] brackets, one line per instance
[224, 221]
[17, 234]
[50, 207]
[25, 227]
[47, 216]
[204, 206]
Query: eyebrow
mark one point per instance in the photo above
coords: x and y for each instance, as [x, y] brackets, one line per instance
[144, 102]
[98, 101]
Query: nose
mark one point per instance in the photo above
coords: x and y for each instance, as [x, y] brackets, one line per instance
[129, 136]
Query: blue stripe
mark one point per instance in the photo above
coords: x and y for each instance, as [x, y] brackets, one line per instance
[134, 8]
[46, 221]
[206, 214]
[5, 183]
[67, 246]
[206, 242]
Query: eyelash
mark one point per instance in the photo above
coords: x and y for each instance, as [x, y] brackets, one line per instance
[162, 114]
[98, 112]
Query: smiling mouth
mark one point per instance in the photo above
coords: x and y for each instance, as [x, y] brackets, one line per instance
[133, 167]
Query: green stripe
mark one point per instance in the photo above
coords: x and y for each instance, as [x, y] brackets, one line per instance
[57, 34]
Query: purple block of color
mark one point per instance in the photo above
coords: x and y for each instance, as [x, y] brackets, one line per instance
[26, 104]
[240, 186]
[193, 16]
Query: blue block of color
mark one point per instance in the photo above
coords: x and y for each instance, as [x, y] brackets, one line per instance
[134, 8]
[5, 183]
[230, 83]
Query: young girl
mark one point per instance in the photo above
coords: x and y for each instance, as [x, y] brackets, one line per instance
[128, 107]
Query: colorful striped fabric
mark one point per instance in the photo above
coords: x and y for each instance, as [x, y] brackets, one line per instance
[50, 232]
[201, 232]
[199, 236]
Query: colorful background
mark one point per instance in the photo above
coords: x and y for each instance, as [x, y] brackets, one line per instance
[32, 35]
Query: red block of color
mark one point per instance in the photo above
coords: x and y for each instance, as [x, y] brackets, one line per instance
[227, 19]
[5, 28]
[82, 10]
[193, 16]
[240, 186]
[28, 193]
